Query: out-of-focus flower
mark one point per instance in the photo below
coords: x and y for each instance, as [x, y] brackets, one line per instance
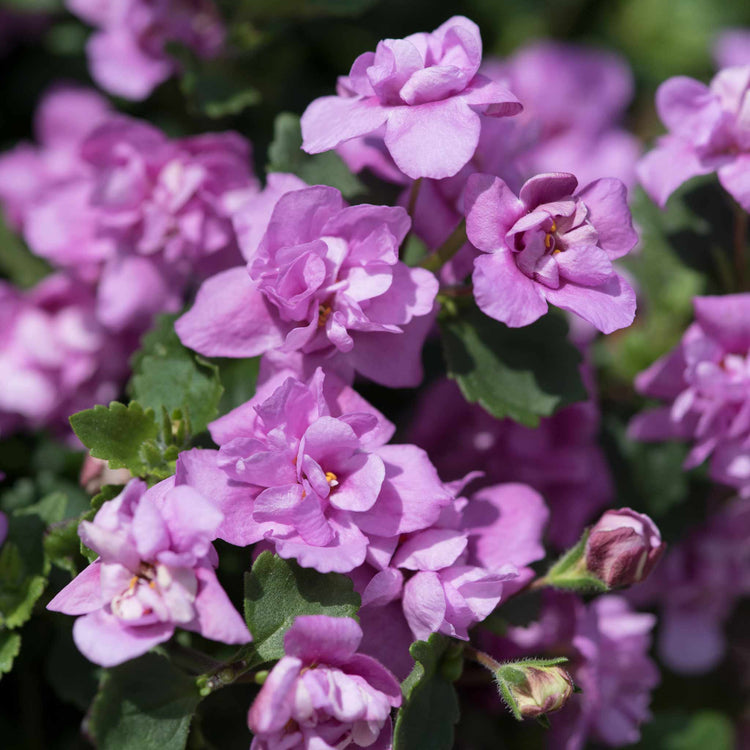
[696, 587]
[607, 645]
[322, 693]
[732, 48]
[574, 100]
[3, 527]
[55, 358]
[127, 54]
[706, 379]
[326, 281]
[549, 245]
[95, 473]
[623, 547]
[418, 94]
[448, 577]
[305, 467]
[150, 215]
[64, 117]
[708, 131]
[155, 571]
[560, 458]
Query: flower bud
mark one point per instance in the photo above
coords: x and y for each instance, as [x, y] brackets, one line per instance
[95, 473]
[623, 547]
[534, 689]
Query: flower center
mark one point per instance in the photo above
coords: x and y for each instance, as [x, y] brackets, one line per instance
[551, 240]
[324, 312]
[332, 479]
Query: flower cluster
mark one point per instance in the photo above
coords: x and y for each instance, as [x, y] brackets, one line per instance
[696, 588]
[560, 458]
[129, 219]
[706, 381]
[708, 132]
[515, 176]
[55, 357]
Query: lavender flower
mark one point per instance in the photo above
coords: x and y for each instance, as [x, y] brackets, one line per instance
[155, 572]
[323, 693]
[549, 245]
[706, 380]
[708, 131]
[415, 93]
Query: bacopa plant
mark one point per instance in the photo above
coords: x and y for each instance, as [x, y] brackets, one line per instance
[353, 453]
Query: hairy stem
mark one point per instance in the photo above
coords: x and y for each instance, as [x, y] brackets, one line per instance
[447, 250]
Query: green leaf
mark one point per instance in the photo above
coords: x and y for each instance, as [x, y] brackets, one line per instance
[238, 378]
[62, 545]
[285, 155]
[168, 375]
[17, 262]
[430, 708]
[521, 373]
[10, 647]
[277, 591]
[116, 434]
[680, 731]
[213, 91]
[23, 569]
[145, 703]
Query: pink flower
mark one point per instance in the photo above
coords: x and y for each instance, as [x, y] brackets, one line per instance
[607, 644]
[325, 281]
[127, 54]
[732, 48]
[574, 101]
[623, 547]
[323, 694]
[55, 358]
[708, 132]
[63, 119]
[305, 467]
[149, 216]
[706, 381]
[697, 586]
[549, 245]
[154, 573]
[417, 93]
[449, 577]
[560, 458]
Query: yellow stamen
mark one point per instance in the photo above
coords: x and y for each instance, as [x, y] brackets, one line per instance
[324, 312]
[331, 478]
[133, 583]
[553, 228]
[548, 241]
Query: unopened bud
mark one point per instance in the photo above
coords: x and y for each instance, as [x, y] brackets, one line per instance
[534, 689]
[95, 473]
[623, 547]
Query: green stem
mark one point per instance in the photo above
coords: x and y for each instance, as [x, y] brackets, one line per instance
[481, 658]
[190, 659]
[413, 194]
[447, 250]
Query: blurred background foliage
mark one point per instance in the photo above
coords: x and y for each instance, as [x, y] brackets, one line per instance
[282, 54]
